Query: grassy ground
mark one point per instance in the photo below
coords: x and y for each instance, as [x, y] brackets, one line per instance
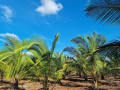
[72, 82]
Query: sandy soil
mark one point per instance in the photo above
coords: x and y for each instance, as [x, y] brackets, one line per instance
[70, 83]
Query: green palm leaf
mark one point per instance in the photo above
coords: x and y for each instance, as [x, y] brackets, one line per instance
[110, 49]
[107, 11]
[54, 42]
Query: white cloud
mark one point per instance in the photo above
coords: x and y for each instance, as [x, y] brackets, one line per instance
[7, 12]
[48, 7]
[2, 40]
[10, 35]
[29, 53]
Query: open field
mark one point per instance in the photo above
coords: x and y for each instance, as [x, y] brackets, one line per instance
[72, 82]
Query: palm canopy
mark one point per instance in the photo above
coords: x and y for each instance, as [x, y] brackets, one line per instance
[89, 44]
[13, 55]
[110, 49]
[107, 11]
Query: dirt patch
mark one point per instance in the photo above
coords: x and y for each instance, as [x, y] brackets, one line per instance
[70, 83]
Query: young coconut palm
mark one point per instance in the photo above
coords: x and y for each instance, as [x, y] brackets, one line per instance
[77, 62]
[44, 67]
[88, 46]
[18, 62]
[59, 60]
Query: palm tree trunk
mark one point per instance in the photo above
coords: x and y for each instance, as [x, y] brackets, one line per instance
[102, 76]
[80, 75]
[59, 81]
[46, 83]
[63, 77]
[16, 83]
[85, 76]
[95, 78]
[1, 76]
[65, 72]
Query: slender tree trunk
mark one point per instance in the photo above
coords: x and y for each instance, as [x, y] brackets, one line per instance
[65, 72]
[95, 82]
[102, 76]
[59, 81]
[46, 83]
[1, 76]
[85, 76]
[80, 75]
[16, 83]
[63, 77]
[38, 80]
[95, 79]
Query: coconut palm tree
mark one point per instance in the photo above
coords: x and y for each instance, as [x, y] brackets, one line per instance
[44, 66]
[60, 61]
[107, 11]
[87, 47]
[17, 61]
[77, 62]
[114, 64]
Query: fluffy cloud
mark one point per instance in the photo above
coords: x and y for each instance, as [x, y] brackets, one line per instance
[29, 53]
[10, 35]
[7, 12]
[2, 40]
[48, 7]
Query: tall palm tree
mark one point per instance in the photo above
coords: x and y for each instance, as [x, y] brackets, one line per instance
[107, 11]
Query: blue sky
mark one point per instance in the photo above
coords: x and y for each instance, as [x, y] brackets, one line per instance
[25, 18]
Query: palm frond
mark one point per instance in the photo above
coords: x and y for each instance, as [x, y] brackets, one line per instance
[110, 49]
[54, 42]
[81, 43]
[107, 11]
[71, 50]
